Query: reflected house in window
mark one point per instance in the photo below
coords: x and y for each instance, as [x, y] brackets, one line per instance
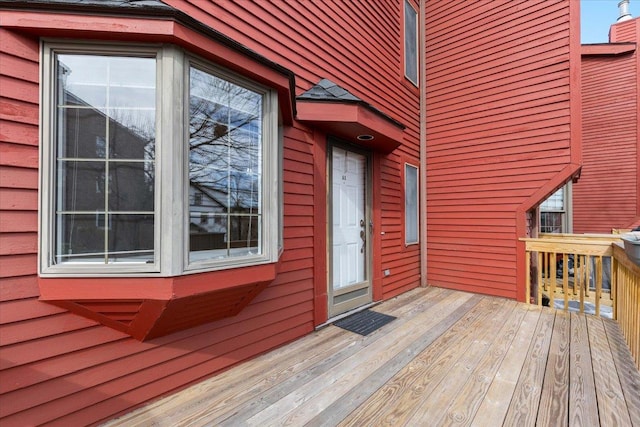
[105, 163]
[225, 157]
[210, 227]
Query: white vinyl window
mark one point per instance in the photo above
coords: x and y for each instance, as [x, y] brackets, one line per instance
[554, 212]
[410, 42]
[411, 227]
[143, 175]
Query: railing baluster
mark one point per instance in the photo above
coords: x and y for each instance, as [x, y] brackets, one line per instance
[565, 280]
[540, 268]
[552, 278]
[528, 278]
[577, 275]
[587, 275]
[598, 274]
[585, 283]
[614, 286]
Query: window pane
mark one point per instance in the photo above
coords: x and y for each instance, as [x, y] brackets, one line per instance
[208, 240]
[410, 42]
[132, 133]
[80, 238]
[81, 186]
[244, 232]
[225, 166]
[106, 111]
[131, 186]
[411, 204]
[551, 222]
[555, 202]
[130, 238]
[82, 133]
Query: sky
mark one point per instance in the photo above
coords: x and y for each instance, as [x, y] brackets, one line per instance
[596, 16]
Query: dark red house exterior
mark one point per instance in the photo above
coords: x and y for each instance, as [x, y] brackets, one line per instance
[607, 196]
[502, 117]
[491, 126]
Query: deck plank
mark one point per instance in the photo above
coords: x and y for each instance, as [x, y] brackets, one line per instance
[431, 410]
[553, 409]
[612, 409]
[462, 410]
[228, 390]
[249, 401]
[274, 409]
[397, 401]
[523, 409]
[339, 409]
[627, 372]
[495, 405]
[583, 406]
[450, 358]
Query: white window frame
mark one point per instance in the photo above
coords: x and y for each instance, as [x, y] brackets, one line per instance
[171, 192]
[408, 6]
[417, 211]
[270, 177]
[565, 212]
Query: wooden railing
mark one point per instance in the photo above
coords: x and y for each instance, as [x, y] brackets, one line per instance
[587, 273]
[626, 276]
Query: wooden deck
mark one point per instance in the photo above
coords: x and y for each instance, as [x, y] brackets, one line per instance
[450, 358]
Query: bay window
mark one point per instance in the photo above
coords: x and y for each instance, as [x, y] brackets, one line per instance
[154, 162]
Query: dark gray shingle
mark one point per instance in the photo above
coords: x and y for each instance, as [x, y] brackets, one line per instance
[326, 90]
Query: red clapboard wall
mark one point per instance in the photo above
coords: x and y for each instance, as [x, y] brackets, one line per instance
[61, 369]
[502, 105]
[607, 196]
[330, 39]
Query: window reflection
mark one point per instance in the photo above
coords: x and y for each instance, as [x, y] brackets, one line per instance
[105, 158]
[225, 161]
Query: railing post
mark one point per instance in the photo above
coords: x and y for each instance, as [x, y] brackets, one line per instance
[614, 286]
[598, 268]
[528, 278]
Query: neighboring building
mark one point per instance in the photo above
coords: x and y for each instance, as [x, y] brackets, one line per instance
[188, 184]
[607, 195]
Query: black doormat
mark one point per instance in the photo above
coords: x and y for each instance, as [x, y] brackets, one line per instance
[364, 322]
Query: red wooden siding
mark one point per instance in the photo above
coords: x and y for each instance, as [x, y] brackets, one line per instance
[606, 196]
[330, 39]
[500, 77]
[62, 369]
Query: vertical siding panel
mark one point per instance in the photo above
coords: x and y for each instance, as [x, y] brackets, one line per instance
[498, 128]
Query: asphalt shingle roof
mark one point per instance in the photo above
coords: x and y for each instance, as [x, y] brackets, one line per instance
[326, 90]
[104, 4]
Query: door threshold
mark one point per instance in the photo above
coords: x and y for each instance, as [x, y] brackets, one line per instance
[346, 314]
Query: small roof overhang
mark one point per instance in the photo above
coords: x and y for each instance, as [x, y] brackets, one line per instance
[607, 48]
[338, 112]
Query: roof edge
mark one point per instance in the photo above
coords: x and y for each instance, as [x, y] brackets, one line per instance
[610, 49]
[153, 9]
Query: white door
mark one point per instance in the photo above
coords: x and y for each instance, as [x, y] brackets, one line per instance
[349, 284]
